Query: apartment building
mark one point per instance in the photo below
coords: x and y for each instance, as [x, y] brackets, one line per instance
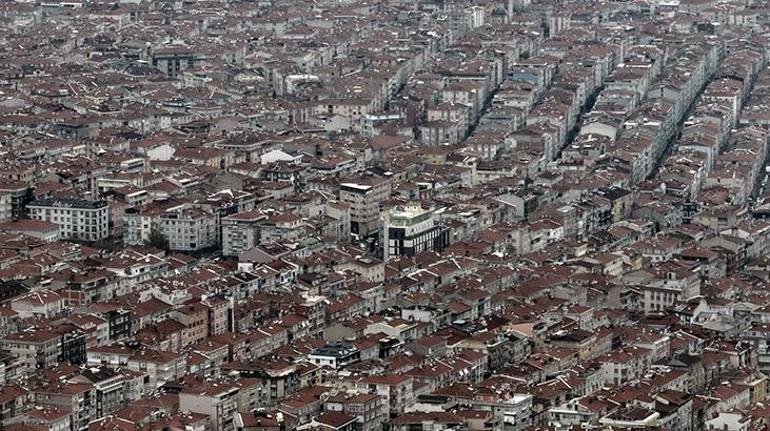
[39, 304]
[48, 232]
[364, 197]
[218, 401]
[188, 228]
[78, 219]
[34, 349]
[240, 232]
[13, 196]
[396, 390]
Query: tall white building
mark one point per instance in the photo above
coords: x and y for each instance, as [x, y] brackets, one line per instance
[78, 219]
[408, 230]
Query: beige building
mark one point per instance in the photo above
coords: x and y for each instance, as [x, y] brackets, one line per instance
[195, 318]
[35, 349]
[43, 230]
[396, 390]
[217, 400]
[160, 366]
[364, 197]
[39, 304]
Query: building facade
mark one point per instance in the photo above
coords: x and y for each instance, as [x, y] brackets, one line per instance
[188, 229]
[78, 219]
[410, 230]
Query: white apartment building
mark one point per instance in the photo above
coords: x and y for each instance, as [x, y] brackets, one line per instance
[78, 219]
